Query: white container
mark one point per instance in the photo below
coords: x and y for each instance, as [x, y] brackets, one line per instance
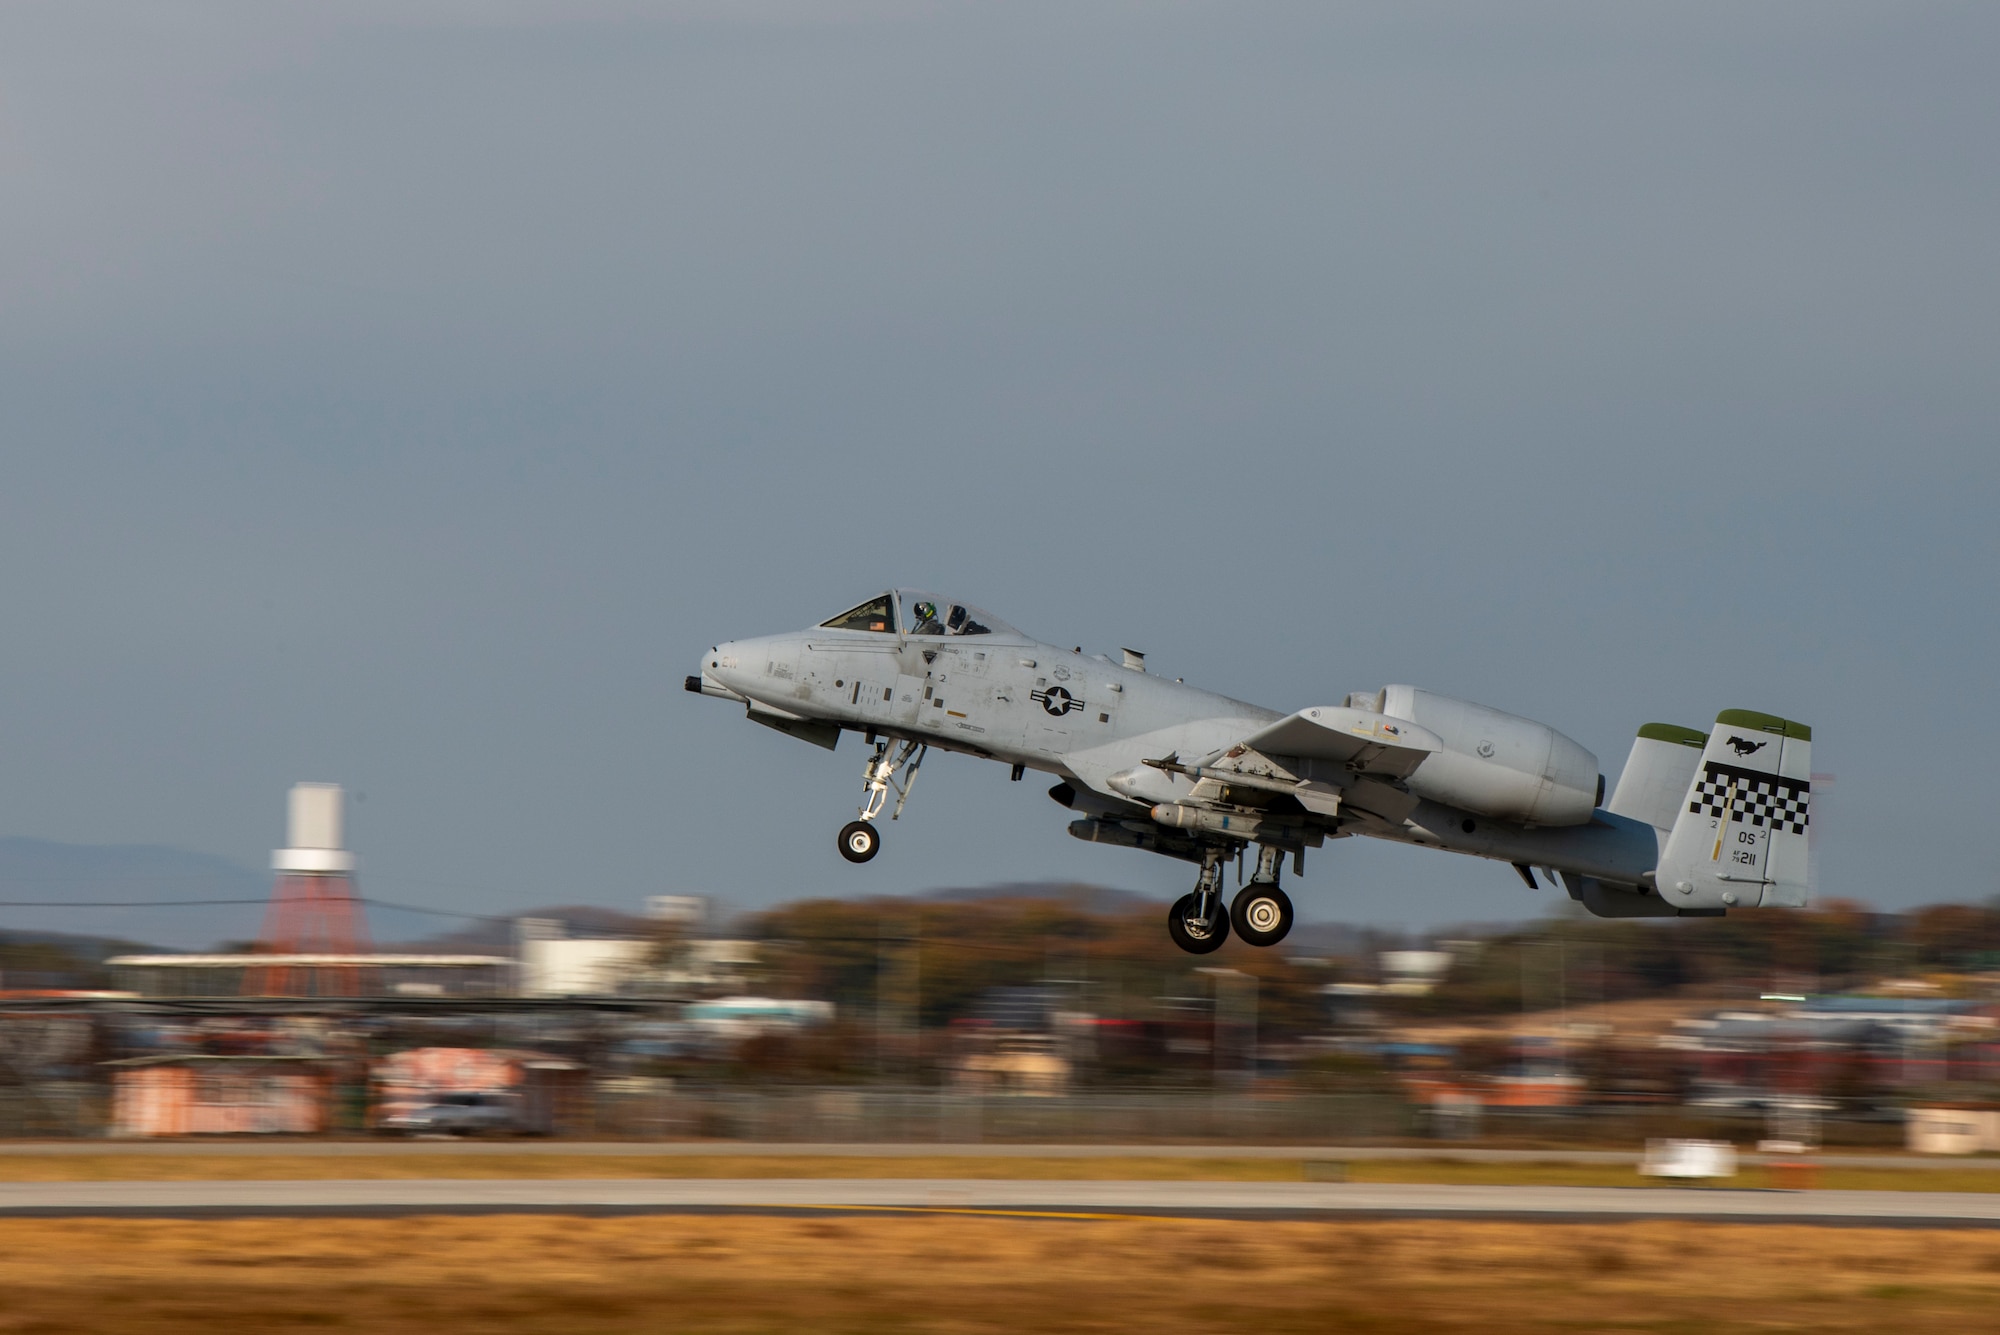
[1952, 1130]
[1689, 1159]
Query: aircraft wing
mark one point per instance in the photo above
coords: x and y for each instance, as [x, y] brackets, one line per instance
[1332, 759]
[1358, 741]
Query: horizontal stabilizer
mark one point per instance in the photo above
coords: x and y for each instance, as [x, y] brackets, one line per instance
[1657, 774]
[1739, 838]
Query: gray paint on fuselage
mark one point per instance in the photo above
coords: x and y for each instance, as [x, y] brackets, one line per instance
[1611, 848]
[978, 694]
[987, 695]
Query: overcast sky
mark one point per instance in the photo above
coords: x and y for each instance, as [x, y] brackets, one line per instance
[405, 394]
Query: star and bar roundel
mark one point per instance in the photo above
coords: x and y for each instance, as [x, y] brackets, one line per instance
[1056, 700]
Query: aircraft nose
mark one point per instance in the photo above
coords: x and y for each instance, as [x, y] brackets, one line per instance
[718, 667]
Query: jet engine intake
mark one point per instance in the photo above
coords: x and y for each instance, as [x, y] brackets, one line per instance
[1497, 764]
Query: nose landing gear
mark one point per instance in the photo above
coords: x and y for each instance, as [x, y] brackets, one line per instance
[859, 839]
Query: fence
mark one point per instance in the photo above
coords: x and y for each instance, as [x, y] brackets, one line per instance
[659, 1109]
[53, 1109]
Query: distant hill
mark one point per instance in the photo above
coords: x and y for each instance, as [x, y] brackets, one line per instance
[78, 878]
[496, 936]
[75, 878]
[588, 920]
[1084, 894]
[1306, 938]
[84, 875]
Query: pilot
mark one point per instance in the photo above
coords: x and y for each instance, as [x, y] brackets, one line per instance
[927, 619]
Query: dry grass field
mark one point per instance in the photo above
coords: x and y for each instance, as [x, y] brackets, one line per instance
[278, 1166]
[507, 1275]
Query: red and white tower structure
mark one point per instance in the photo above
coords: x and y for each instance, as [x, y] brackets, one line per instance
[314, 910]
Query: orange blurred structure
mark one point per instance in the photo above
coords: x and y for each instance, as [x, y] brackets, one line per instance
[206, 1094]
[310, 915]
[314, 910]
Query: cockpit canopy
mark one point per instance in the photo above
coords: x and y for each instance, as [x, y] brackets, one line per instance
[877, 614]
[914, 612]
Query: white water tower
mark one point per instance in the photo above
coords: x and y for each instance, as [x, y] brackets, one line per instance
[314, 832]
[315, 919]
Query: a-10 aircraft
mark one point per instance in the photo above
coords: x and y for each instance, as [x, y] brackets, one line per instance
[1702, 821]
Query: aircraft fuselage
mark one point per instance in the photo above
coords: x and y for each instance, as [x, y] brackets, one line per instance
[1163, 766]
[1016, 701]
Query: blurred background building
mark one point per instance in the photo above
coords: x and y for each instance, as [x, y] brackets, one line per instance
[1030, 1011]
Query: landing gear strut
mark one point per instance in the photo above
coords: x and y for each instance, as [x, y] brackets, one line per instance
[1262, 913]
[859, 839]
[1197, 922]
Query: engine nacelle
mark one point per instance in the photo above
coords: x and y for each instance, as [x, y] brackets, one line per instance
[1496, 764]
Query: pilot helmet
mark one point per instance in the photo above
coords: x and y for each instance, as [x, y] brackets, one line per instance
[926, 611]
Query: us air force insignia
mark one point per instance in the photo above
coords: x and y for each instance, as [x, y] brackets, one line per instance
[1056, 700]
[1752, 798]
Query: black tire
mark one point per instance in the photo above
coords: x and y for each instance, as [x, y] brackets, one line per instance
[859, 841]
[1262, 914]
[1209, 940]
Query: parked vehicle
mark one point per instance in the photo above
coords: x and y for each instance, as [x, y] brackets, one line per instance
[457, 1115]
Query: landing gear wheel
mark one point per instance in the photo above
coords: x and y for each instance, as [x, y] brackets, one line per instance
[859, 841]
[1262, 914]
[1191, 933]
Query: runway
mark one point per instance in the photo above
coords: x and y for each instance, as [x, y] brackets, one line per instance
[700, 1149]
[1013, 1197]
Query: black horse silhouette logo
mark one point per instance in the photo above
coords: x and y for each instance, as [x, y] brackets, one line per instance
[1743, 748]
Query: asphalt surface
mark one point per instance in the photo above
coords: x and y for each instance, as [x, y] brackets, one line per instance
[267, 1145]
[1444, 1152]
[1025, 1198]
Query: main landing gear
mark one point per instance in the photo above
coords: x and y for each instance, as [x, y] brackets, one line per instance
[859, 839]
[1198, 922]
[1261, 915]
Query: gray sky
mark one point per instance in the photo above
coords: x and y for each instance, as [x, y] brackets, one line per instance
[405, 395]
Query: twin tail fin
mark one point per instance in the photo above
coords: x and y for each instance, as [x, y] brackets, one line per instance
[1738, 838]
